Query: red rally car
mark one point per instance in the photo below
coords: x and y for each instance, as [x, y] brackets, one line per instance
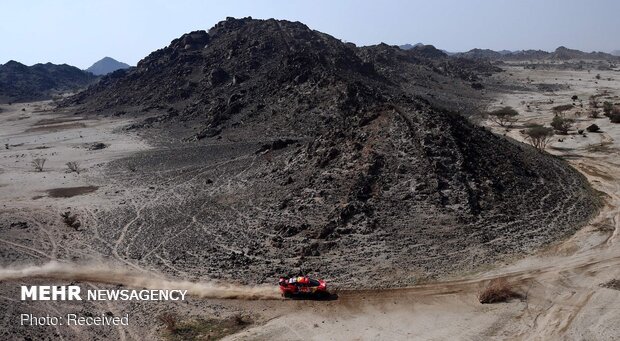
[302, 286]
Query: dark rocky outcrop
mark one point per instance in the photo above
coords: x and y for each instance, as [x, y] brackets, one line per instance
[301, 145]
[21, 83]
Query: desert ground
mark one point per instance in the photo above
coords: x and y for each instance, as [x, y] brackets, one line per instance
[563, 289]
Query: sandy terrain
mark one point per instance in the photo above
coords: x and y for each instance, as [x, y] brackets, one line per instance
[562, 284]
[33, 133]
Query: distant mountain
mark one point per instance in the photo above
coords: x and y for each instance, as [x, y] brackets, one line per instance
[21, 83]
[615, 52]
[105, 66]
[409, 46]
[481, 54]
[561, 53]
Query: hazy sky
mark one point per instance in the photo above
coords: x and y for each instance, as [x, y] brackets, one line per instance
[80, 32]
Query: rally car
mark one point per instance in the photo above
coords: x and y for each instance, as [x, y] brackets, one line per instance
[300, 286]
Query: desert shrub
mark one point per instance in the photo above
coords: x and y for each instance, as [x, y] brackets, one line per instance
[169, 320]
[71, 220]
[561, 124]
[575, 97]
[74, 166]
[593, 128]
[505, 116]
[608, 107]
[593, 113]
[38, 164]
[539, 136]
[614, 117]
[560, 109]
[593, 102]
[498, 290]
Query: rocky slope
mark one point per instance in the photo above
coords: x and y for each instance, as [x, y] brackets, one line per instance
[20, 83]
[561, 54]
[105, 66]
[290, 150]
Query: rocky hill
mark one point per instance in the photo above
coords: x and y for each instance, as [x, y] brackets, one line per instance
[105, 66]
[295, 150]
[561, 53]
[20, 83]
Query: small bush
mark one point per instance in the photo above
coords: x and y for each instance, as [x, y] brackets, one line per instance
[74, 166]
[593, 113]
[608, 107]
[498, 290]
[562, 125]
[593, 102]
[38, 164]
[71, 220]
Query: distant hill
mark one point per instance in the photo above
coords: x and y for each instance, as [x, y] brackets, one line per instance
[105, 66]
[21, 83]
[409, 46]
[615, 52]
[561, 53]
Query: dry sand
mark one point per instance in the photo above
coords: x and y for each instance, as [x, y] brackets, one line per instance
[35, 133]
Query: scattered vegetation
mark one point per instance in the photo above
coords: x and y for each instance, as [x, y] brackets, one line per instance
[74, 166]
[505, 116]
[71, 220]
[593, 102]
[608, 108]
[612, 284]
[498, 290]
[560, 109]
[202, 329]
[38, 164]
[593, 113]
[539, 136]
[561, 124]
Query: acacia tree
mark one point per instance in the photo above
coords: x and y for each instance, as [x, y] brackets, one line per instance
[539, 136]
[562, 124]
[505, 116]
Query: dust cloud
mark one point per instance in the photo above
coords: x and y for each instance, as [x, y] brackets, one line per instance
[107, 274]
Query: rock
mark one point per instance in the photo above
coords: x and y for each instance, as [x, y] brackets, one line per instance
[97, 146]
[593, 128]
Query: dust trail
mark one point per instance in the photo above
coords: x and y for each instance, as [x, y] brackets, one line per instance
[102, 273]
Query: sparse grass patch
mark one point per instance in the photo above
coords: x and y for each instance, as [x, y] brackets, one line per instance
[202, 329]
[498, 290]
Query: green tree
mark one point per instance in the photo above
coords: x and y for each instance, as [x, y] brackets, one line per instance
[561, 124]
